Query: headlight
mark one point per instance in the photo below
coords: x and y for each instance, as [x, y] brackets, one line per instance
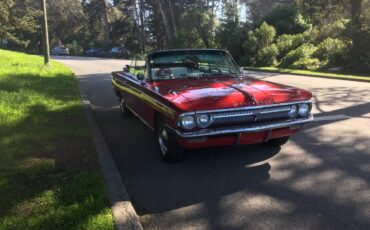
[203, 120]
[293, 111]
[187, 122]
[304, 110]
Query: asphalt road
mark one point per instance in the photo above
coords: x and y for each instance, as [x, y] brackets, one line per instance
[319, 180]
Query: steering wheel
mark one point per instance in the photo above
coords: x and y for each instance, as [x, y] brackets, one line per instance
[219, 70]
[163, 72]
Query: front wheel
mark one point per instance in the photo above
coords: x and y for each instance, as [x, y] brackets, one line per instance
[170, 150]
[278, 141]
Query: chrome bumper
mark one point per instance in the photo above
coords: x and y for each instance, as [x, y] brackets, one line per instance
[241, 129]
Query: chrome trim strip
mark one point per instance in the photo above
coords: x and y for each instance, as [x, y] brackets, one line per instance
[250, 129]
[143, 96]
[275, 110]
[220, 116]
[248, 107]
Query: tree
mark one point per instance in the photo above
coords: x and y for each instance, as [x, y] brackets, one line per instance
[258, 9]
[93, 32]
[231, 33]
[65, 19]
[106, 22]
[287, 20]
[198, 30]
[166, 23]
[18, 18]
[259, 46]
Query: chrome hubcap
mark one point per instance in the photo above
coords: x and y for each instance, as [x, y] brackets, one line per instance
[163, 139]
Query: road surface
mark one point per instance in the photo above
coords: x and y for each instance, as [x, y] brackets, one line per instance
[319, 180]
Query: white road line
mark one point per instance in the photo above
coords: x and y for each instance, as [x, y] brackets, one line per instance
[331, 117]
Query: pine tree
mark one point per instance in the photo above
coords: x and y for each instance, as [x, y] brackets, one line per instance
[16, 18]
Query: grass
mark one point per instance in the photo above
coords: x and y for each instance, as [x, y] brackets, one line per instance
[310, 73]
[49, 175]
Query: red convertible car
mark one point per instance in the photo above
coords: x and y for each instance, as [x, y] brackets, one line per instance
[197, 98]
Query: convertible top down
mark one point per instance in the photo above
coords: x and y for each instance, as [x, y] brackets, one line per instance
[197, 98]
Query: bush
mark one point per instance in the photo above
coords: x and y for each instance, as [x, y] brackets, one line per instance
[332, 29]
[301, 58]
[267, 56]
[288, 42]
[307, 64]
[331, 50]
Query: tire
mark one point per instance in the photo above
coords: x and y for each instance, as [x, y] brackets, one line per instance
[170, 150]
[278, 141]
[125, 112]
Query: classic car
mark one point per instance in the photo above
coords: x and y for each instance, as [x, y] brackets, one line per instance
[60, 50]
[198, 98]
[95, 52]
[118, 52]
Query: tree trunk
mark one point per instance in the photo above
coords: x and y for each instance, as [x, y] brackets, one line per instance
[138, 23]
[357, 38]
[165, 21]
[172, 18]
[106, 24]
[142, 26]
[356, 13]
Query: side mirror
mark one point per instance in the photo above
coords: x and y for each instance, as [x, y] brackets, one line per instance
[126, 68]
[140, 76]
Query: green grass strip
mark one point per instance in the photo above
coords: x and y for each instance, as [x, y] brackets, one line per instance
[309, 73]
[49, 175]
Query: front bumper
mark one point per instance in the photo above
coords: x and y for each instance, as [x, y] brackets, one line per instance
[241, 129]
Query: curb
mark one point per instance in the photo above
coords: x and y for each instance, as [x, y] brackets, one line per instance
[124, 214]
[306, 75]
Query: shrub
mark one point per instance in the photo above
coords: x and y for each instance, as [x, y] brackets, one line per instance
[333, 29]
[301, 58]
[288, 42]
[331, 50]
[307, 64]
[267, 56]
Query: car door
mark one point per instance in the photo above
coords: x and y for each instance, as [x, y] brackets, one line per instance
[138, 99]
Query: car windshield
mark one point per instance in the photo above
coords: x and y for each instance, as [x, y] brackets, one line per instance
[191, 63]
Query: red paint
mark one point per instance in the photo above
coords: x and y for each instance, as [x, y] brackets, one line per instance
[225, 92]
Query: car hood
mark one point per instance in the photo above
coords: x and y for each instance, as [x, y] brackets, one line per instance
[220, 92]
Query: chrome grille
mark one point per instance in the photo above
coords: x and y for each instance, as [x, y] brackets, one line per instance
[232, 117]
[248, 116]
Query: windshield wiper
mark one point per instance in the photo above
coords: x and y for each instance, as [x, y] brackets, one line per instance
[191, 76]
[218, 74]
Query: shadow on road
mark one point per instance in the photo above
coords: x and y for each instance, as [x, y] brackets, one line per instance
[202, 175]
[319, 179]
